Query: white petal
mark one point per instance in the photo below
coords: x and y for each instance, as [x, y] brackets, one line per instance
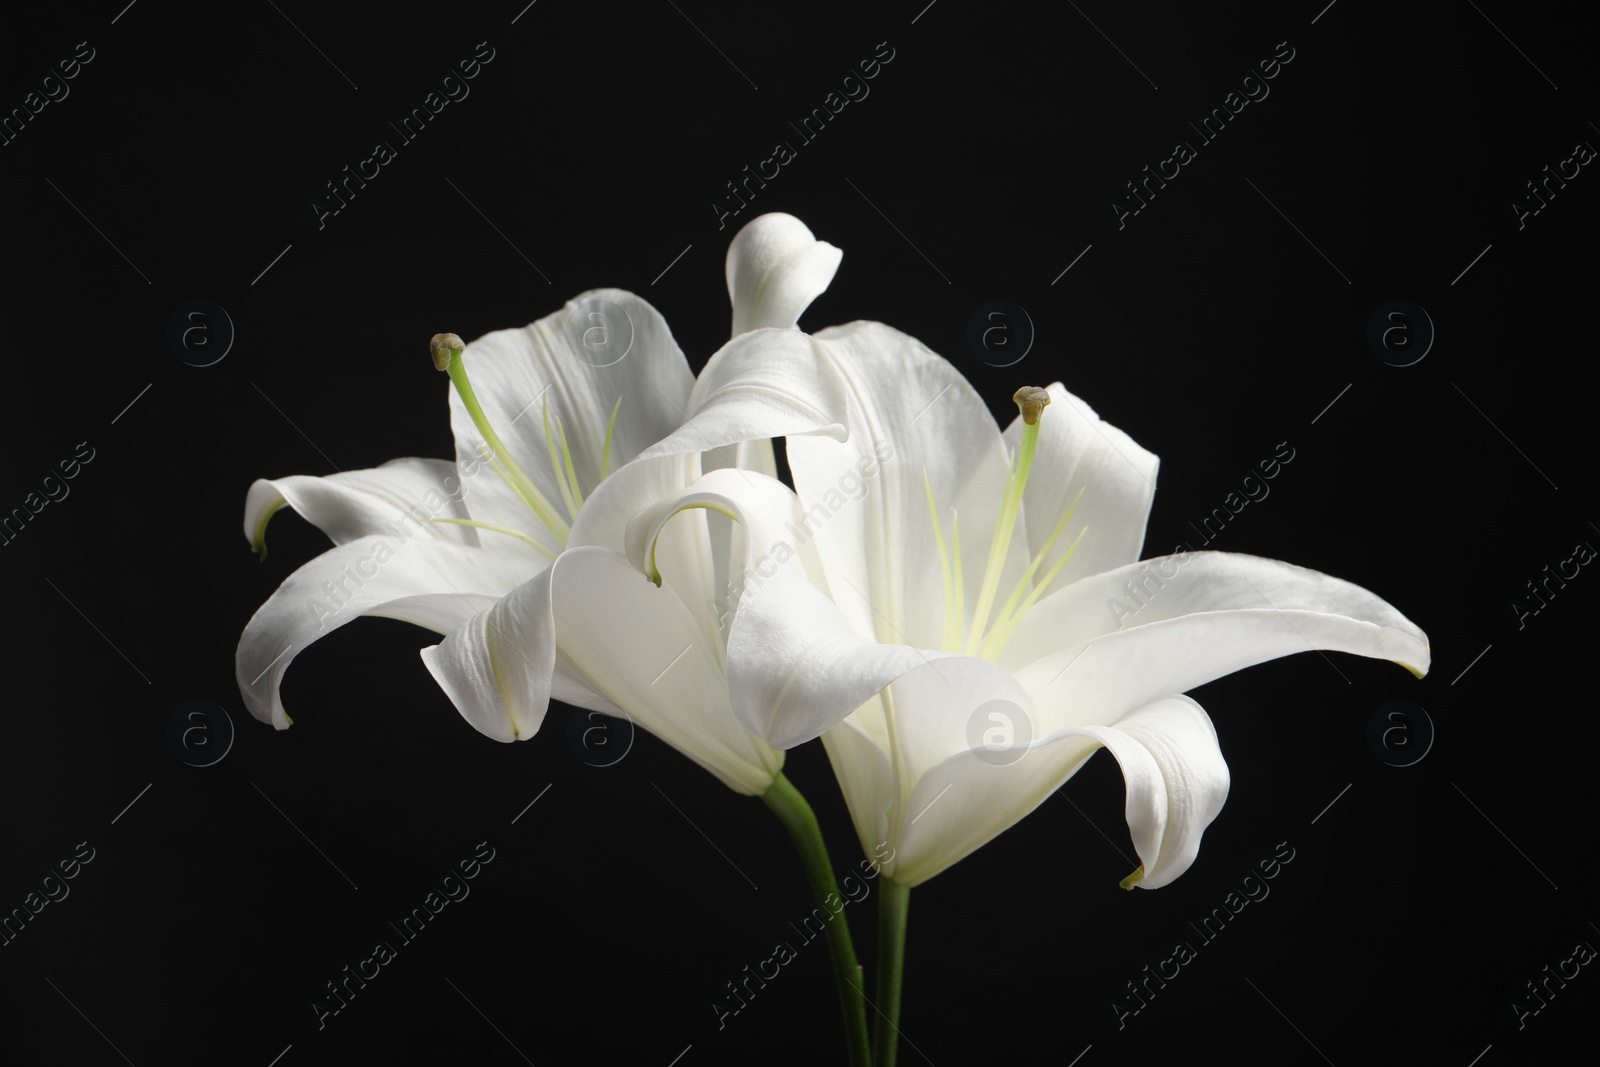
[775, 269]
[969, 762]
[972, 763]
[797, 666]
[432, 583]
[517, 373]
[764, 384]
[858, 749]
[759, 385]
[498, 667]
[1176, 780]
[398, 498]
[641, 485]
[1078, 452]
[638, 646]
[911, 412]
[1202, 618]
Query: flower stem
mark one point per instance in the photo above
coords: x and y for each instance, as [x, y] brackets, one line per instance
[894, 901]
[801, 822]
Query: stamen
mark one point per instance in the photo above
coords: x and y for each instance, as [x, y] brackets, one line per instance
[605, 450]
[446, 349]
[1004, 631]
[572, 475]
[518, 534]
[991, 646]
[555, 464]
[961, 603]
[1031, 400]
[952, 622]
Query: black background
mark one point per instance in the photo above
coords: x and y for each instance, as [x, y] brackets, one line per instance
[983, 162]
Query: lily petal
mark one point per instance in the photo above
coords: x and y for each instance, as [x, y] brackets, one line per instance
[911, 413]
[966, 787]
[1078, 452]
[637, 646]
[1176, 778]
[401, 495]
[517, 374]
[1204, 615]
[431, 583]
[797, 665]
[498, 667]
[763, 384]
[759, 385]
[776, 267]
[961, 786]
[594, 619]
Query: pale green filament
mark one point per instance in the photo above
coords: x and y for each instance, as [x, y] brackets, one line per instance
[1007, 625]
[518, 534]
[991, 647]
[563, 482]
[1009, 508]
[958, 635]
[605, 451]
[520, 483]
[572, 475]
[952, 621]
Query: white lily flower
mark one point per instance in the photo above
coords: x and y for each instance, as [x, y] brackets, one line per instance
[490, 551]
[958, 656]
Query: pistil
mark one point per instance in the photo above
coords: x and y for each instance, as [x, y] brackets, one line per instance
[973, 640]
[446, 349]
[1031, 400]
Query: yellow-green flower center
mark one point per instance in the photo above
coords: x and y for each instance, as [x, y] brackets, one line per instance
[979, 637]
[447, 349]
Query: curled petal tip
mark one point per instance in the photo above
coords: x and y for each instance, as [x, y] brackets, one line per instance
[1133, 879]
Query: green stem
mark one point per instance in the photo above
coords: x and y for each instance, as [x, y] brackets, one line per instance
[797, 817]
[894, 900]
